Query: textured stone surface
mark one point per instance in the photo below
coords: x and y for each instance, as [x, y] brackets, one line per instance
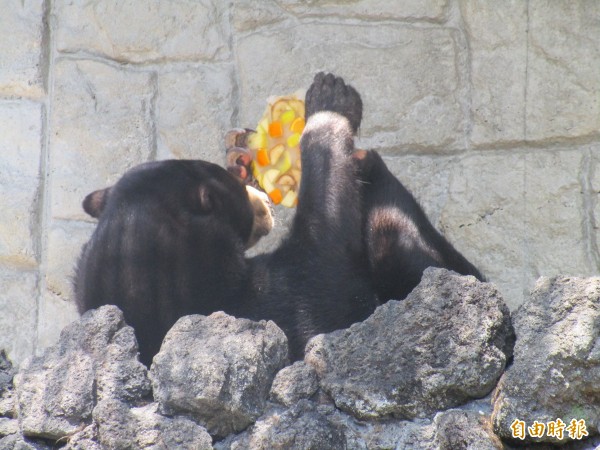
[429, 10]
[300, 427]
[294, 383]
[8, 424]
[556, 369]
[54, 314]
[18, 318]
[249, 15]
[22, 52]
[139, 30]
[101, 126]
[193, 110]
[56, 310]
[446, 343]
[484, 213]
[465, 430]
[562, 81]
[497, 36]
[419, 108]
[218, 369]
[20, 147]
[555, 214]
[7, 403]
[118, 426]
[95, 358]
[16, 442]
[65, 239]
[7, 372]
[592, 183]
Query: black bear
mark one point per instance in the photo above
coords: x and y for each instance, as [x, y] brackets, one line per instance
[171, 238]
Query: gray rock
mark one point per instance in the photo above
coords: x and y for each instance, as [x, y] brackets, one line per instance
[95, 358]
[385, 434]
[293, 383]
[300, 427]
[446, 343]
[119, 374]
[17, 442]
[556, 369]
[218, 369]
[449, 430]
[8, 404]
[118, 426]
[465, 430]
[86, 439]
[6, 373]
[8, 426]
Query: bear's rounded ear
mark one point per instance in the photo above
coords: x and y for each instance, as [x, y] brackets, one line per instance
[95, 202]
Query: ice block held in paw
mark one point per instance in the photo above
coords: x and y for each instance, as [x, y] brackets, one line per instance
[275, 149]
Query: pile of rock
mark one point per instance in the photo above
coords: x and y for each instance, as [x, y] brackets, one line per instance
[413, 375]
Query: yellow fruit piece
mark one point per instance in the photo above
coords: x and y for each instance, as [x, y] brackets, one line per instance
[268, 180]
[276, 196]
[285, 162]
[257, 173]
[290, 200]
[262, 157]
[278, 108]
[288, 116]
[293, 140]
[286, 180]
[275, 129]
[257, 140]
[263, 126]
[297, 106]
[276, 152]
[295, 174]
[297, 125]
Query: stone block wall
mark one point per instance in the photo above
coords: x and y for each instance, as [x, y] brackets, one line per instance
[488, 111]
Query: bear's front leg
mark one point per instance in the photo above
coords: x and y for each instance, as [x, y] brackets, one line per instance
[329, 197]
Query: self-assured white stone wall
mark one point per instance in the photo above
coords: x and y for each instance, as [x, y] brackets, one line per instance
[488, 111]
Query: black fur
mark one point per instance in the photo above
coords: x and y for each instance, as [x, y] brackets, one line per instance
[171, 237]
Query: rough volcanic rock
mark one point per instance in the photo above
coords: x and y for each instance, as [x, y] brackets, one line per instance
[298, 428]
[218, 369]
[556, 369]
[446, 343]
[95, 358]
[118, 426]
[8, 424]
[293, 383]
[7, 372]
[18, 442]
[465, 430]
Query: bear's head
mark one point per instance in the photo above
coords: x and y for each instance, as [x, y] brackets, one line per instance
[185, 194]
[169, 242]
